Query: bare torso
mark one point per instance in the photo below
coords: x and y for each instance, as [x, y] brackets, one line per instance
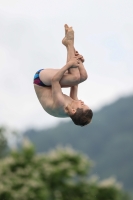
[44, 95]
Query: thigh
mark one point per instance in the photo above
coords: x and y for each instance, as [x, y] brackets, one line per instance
[67, 80]
[46, 75]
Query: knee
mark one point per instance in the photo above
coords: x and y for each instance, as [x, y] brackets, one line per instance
[76, 78]
[84, 78]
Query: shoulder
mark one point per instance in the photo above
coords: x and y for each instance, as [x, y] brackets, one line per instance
[59, 102]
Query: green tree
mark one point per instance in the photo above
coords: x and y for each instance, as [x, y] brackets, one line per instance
[3, 143]
[60, 174]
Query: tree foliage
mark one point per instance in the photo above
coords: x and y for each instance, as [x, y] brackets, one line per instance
[60, 174]
[3, 143]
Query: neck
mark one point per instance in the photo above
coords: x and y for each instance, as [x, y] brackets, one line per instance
[68, 105]
[68, 101]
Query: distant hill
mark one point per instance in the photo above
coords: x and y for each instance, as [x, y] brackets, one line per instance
[108, 140]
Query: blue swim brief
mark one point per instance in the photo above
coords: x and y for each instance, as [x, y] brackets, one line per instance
[37, 80]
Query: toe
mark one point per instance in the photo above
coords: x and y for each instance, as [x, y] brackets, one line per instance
[66, 28]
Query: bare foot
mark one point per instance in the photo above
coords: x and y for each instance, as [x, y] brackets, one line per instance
[69, 36]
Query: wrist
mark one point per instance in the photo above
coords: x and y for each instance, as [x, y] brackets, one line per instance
[69, 64]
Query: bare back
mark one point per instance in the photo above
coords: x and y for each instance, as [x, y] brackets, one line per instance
[45, 98]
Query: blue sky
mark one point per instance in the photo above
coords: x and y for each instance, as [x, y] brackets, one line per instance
[30, 39]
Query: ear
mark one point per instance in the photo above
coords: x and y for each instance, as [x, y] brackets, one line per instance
[66, 109]
[73, 111]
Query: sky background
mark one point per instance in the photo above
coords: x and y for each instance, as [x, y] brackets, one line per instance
[30, 39]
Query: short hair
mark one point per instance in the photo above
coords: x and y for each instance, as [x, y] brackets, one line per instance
[81, 117]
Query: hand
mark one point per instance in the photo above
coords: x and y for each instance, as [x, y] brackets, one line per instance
[74, 62]
[79, 56]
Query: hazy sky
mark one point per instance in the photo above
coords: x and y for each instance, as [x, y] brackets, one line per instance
[30, 39]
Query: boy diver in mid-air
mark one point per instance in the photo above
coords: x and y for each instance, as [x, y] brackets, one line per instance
[48, 83]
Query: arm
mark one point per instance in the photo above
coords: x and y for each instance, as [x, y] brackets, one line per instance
[83, 73]
[58, 76]
[56, 88]
[57, 95]
[74, 92]
[82, 70]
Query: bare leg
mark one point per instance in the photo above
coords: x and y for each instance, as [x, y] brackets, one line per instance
[68, 80]
[73, 76]
[68, 41]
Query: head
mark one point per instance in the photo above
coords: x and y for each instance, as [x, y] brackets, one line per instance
[80, 113]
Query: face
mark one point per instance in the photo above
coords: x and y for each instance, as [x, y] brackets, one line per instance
[80, 104]
[77, 104]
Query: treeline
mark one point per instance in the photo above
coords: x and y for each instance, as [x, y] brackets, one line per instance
[4, 149]
[61, 174]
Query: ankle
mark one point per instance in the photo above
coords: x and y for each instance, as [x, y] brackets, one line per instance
[70, 44]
